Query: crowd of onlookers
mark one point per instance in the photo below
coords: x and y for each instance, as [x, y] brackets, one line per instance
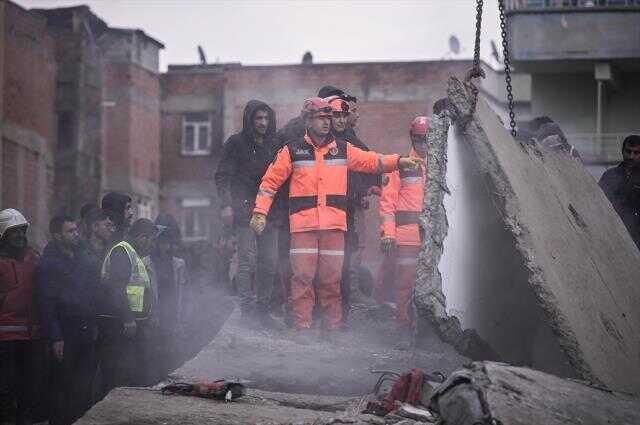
[102, 306]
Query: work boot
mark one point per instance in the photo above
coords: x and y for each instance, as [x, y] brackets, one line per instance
[250, 319]
[267, 321]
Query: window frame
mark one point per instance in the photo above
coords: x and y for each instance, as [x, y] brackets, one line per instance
[200, 208]
[197, 126]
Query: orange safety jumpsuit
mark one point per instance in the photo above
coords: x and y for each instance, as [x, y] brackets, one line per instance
[400, 208]
[317, 217]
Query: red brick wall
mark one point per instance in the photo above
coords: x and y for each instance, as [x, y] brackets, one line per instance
[29, 72]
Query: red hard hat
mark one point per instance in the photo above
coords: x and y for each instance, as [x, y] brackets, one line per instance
[420, 126]
[337, 104]
[317, 107]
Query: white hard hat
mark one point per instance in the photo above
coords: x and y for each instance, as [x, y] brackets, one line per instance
[11, 218]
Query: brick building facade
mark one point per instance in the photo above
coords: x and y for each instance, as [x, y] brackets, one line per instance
[213, 97]
[27, 112]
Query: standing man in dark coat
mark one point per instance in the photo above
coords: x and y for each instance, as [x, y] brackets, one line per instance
[66, 294]
[245, 159]
[621, 184]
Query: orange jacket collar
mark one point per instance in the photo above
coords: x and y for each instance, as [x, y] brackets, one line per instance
[329, 139]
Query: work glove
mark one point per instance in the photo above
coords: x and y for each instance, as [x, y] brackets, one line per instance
[387, 245]
[409, 162]
[129, 329]
[374, 190]
[227, 216]
[258, 223]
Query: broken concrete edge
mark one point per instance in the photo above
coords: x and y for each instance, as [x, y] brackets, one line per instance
[493, 392]
[429, 299]
[503, 194]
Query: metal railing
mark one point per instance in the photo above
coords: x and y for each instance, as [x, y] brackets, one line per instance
[558, 5]
[598, 148]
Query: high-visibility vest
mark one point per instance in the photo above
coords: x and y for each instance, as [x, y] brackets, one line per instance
[318, 188]
[139, 286]
[401, 205]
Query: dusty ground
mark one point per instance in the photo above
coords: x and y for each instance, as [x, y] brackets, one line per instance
[274, 361]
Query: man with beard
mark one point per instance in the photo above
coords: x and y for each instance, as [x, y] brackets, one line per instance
[621, 184]
[317, 165]
[21, 352]
[244, 161]
[67, 291]
[120, 210]
[400, 207]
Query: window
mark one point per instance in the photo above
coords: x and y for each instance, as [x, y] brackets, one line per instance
[196, 134]
[195, 218]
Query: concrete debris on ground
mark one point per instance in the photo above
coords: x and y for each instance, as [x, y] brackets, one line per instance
[274, 361]
[550, 273]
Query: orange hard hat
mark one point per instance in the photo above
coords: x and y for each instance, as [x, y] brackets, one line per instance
[337, 104]
[317, 107]
[420, 126]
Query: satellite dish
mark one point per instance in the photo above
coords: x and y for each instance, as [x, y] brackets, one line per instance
[454, 45]
[203, 57]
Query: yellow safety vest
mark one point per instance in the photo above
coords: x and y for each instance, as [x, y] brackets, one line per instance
[138, 288]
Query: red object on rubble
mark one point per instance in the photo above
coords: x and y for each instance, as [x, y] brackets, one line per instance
[407, 389]
[218, 390]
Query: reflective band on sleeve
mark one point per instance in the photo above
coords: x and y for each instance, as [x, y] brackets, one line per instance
[389, 217]
[406, 261]
[16, 328]
[380, 167]
[266, 192]
[411, 180]
[335, 253]
[303, 251]
[305, 163]
[335, 162]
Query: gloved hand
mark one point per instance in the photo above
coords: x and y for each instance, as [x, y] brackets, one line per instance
[374, 190]
[129, 329]
[387, 245]
[227, 216]
[409, 162]
[258, 223]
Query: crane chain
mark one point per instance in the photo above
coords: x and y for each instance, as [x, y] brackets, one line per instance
[507, 67]
[476, 70]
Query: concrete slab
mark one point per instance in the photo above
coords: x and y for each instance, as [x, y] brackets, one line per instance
[552, 280]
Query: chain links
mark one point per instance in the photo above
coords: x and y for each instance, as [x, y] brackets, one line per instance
[507, 67]
[476, 70]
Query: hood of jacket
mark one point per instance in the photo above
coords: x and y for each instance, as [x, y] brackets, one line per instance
[114, 203]
[247, 119]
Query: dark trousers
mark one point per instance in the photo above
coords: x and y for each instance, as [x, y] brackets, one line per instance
[22, 380]
[116, 357]
[72, 377]
[257, 257]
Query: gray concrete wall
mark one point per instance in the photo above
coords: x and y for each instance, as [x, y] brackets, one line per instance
[578, 35]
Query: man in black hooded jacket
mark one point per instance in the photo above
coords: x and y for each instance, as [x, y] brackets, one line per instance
[245, 158]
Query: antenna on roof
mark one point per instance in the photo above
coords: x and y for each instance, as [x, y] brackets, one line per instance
[454, 45]
[203, 57]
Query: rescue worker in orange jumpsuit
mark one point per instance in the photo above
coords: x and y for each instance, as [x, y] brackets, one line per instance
[318, 165]
[400, 207]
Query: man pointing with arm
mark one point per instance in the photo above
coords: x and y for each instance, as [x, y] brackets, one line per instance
[318, 165]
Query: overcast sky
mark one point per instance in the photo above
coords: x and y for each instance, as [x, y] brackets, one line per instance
[256, 32]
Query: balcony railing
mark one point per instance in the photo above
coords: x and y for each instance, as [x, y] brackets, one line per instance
[567, 5]
[598, 148]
